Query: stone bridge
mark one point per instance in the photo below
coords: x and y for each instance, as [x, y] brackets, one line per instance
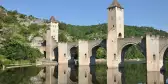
[66, 53]
[154, 48]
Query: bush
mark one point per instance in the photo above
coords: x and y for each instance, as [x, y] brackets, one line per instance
[4, 61]
[101, 53]
[22, 16]
[13, 50]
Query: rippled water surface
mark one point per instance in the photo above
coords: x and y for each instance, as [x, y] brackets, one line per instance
[132, 73]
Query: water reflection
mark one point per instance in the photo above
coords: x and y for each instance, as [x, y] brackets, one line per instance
[50, 75]
[155, 78]
[99, 74]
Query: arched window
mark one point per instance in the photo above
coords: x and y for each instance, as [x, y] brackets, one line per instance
[119, 35]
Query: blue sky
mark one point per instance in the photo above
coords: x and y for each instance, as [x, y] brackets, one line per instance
[88, 12]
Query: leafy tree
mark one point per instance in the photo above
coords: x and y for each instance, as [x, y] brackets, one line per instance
[101, 53]
[12, 13]
[34, 27]
[15, 51]
[62, 37]
[22, 16]
[9, 19]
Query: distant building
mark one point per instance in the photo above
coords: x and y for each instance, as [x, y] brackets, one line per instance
[37, 42]
[37, 21]
[54, 28]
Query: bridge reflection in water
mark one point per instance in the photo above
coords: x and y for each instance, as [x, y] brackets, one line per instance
[64, 74]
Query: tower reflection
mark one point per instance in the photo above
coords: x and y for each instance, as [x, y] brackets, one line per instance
[114, 76]
[84, 75]
[51, 75]
[155, 78]
[64, 74]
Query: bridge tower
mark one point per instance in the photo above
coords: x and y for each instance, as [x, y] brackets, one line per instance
[51, 38]
[115, 31]
[54, 28]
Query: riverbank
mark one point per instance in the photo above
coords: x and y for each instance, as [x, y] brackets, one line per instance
[46, 63]
[27, 64]
[99, 61]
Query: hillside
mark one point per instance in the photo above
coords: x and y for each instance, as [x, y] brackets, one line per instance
[16, 32]
[99, 31]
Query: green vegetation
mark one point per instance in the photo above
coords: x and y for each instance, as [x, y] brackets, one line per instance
[15, 34]
[99, 31]
[134, 53]
[130, 74]
[134, 73]
[101, 53]
[19, 75]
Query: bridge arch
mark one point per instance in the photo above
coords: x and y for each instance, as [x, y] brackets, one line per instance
[124, 48]
[55, 50]
[163, 51]
[73, 74]
[73, 54]
[94, 48]
[163, 56]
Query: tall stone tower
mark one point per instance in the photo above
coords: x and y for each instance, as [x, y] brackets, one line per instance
[51, 38]
[54, 27]
[115, 31]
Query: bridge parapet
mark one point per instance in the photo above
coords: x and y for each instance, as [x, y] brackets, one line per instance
[152, 36]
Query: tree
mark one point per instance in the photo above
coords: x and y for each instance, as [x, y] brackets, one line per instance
[62, 37]
[22, 16]
[101, 53]
[15, 51]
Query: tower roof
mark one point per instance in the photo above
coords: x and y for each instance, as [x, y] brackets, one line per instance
[115, 4]
[52, 19]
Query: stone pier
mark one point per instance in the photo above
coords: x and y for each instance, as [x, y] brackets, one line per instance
[50, 79]
[155, 78]
[114, 76]
[49, 46]
[63, 55]
[152, 53]
[63, 74]
[84, 75]
[84, 53]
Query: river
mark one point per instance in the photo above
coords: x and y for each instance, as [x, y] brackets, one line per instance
[131, 73]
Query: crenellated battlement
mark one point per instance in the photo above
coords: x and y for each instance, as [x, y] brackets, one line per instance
[152, 36]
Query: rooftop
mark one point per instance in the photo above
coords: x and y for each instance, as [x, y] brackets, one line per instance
[52, 19]
[115, 4]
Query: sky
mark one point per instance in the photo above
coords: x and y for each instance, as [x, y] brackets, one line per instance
[153, 13]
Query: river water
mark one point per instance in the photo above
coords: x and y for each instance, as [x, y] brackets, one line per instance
[132, 73]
